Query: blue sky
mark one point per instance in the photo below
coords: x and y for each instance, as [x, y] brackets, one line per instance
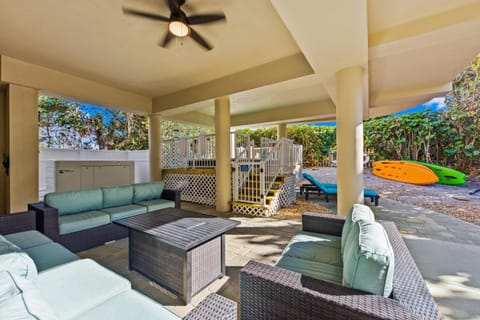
[434, 105]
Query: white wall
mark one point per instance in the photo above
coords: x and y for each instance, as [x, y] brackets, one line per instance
[49, 156]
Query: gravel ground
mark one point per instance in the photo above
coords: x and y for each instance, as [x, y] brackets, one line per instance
[450, 200]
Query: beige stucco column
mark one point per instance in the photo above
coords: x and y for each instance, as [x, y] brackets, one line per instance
[223, 167]
[22, 147]
[349, 138]
[154, 144]
[281, 131]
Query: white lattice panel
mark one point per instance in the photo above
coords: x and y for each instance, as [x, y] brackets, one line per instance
[196, 188]
[250, 210]
[287, 191]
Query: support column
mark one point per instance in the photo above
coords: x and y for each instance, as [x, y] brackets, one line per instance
[154, 145]
[349, 138]
[22, 147]
[281, 131]
[222, 154]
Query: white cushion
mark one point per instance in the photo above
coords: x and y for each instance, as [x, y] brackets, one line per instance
[20, 299]
[18, 263]
[76, 287]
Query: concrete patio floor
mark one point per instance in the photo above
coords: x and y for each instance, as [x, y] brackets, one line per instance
[447, 252]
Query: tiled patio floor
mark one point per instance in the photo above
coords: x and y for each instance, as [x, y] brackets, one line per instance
[434, 239]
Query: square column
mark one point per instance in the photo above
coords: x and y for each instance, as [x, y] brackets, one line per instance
[223, 172]
[349, 138]
[281, 131]
[22, 147]
[154, 145]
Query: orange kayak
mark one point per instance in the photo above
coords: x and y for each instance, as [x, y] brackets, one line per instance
[407, 172]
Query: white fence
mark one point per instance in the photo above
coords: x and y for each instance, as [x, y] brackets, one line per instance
[48, 157]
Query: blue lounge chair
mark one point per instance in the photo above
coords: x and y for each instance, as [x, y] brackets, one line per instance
[329, 189]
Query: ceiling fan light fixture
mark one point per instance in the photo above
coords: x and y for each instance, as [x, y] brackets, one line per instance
[178, 28]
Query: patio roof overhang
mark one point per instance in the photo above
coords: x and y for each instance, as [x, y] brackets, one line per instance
[276, 61]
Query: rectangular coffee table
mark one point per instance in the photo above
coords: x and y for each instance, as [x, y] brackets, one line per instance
[181, 250]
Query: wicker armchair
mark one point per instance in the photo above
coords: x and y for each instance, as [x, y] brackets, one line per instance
[269, 292]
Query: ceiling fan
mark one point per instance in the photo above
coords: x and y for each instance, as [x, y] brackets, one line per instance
[179, 24]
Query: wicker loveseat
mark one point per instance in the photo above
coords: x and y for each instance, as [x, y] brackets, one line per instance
[82, 219]
[271, 292]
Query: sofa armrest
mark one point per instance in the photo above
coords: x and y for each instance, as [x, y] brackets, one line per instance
[322, 223]
[173, 195]
[17, 222]
[47, 219]
[268, 292]
[214, 307]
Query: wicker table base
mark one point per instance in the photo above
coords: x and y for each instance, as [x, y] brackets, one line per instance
[180, 250]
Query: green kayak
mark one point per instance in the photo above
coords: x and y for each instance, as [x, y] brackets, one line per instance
[445, 175]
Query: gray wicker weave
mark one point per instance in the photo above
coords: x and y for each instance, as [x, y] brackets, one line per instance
[17, 222]
[268, 292]
[180, 250]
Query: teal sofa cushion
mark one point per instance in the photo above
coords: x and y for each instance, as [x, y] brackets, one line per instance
[125, 211]
[50, 255]
[115, 196]
[358, 212]
[7, 246]
[75, 288]
[18, 263]
[120, 307]
[315, 247]
[21, 299]
[28, 239]
[314, 269]
[147, 191]
[157, 204]
[81, 221]
[368, 261]
[75, 201]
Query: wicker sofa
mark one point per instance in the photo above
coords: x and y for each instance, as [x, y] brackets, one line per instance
[71, 288]
[82, 219]
[271, 292]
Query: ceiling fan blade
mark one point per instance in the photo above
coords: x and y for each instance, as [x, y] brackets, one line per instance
[206, 18]
[174, 7]
[166, 40]
[200, 40]
[145, 14]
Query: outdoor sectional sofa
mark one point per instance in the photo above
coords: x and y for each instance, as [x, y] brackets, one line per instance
[62, 286]
[337, 268]
[82, 219]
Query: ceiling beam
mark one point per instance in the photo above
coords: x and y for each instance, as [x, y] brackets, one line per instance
[71, 87]
[280, 70]
[287, 114]
[192, 117]
[411, 94]
[426, 25]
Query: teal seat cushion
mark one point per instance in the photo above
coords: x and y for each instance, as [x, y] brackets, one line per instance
[21, 299]
[314, 269]
[368, 260]
[315, 247]
[81, 221]
[7, 246]
[74, 288]
[18, 263]
[358, 212]
[120, 307]
[125, 211]
[147, 191]
[28, 239]
[50, 255]
[116, 196]
[157, 204]
[75, 201]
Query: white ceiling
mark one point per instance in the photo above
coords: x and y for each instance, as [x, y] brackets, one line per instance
[405, 46]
